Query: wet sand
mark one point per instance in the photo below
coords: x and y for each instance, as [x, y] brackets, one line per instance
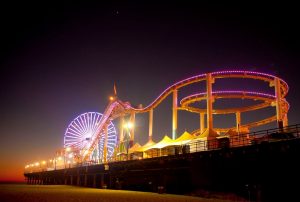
[57, 193]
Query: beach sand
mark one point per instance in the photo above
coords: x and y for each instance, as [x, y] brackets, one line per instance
[57, 193]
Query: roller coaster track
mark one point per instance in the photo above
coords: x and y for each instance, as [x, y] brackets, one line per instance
[117, 108]
[216, 75]
[267, 99]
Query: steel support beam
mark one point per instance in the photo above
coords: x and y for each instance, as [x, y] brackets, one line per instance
[238, 121]
[202, 123]
[150, 124]
[105, 144]
[132, 121]
[174, 116]
[278, 103]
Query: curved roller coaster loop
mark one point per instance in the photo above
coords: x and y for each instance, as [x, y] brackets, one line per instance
[116, 108]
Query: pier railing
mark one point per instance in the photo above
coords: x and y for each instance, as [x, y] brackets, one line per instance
[194, 145]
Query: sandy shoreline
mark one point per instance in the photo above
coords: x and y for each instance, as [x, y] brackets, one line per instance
[57, 193]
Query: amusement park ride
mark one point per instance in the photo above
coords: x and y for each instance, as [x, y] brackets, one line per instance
[92, 136]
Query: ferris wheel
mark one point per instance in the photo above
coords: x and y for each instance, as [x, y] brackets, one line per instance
[83, 128]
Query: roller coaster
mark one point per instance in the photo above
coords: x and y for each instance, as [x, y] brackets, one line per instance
[102, 135]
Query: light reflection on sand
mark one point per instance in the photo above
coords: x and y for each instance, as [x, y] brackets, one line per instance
[23, 192]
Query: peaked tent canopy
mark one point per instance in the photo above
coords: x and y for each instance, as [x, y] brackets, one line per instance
[183, 139]
[134, 148]
[164, 142]
[145, 146]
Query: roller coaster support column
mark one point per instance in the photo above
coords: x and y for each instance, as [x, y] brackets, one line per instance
[285, 121]
[238, 121]
[209, 133]
[121, 137]
[132, 120]
[278, 103]
[174, 117]
[202, 126]
[209, 101]
[105, 144]
[150, 124]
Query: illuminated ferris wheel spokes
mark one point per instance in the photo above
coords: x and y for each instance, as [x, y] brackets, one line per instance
[111, 140]
[86, 126]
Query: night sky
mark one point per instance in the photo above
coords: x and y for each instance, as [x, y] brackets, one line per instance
[59, 60]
